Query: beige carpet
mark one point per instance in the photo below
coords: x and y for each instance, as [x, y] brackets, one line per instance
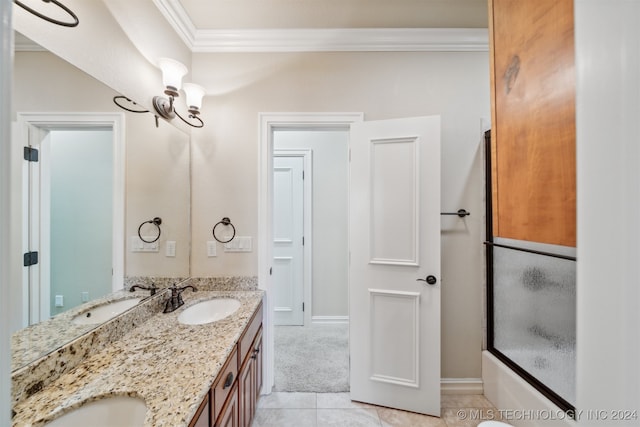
[312, 358]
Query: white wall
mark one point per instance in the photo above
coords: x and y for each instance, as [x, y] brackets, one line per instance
[608, 148]
[381, 85]
[329, 293]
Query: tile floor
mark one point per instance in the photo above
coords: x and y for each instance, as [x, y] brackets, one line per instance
[337, 409]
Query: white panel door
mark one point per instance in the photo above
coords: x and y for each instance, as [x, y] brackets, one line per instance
[394, 229]
[288, 234]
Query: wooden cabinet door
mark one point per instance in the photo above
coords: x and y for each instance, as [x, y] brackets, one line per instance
[229, 415]
[257, 355]
[533, 120]
[246, 392]
[201, 419]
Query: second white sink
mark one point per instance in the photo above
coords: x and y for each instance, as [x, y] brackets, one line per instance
[116, 411]
[102, 313]
[209, 311]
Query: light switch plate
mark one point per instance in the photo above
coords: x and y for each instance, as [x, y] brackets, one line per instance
[170, 249]
[137, 245]
[59, 300]
[239, 244]
[211, 248]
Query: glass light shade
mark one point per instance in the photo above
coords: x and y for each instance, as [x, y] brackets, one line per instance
[193, 94]
[172, 72]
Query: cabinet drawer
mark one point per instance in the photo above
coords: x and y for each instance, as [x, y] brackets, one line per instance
[224, 384]
[244, 345]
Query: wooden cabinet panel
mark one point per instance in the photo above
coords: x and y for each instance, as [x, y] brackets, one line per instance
[251, 381]
[230, 411]
[201, 419]
[533, 120]
[257, 348]
[246, 340]
[224, 384]
[247, 394]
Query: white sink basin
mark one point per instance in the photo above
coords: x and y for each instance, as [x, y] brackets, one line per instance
[117, 411]
[105, 312]
[209, 311]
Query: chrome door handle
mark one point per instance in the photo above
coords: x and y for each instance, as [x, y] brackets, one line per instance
[431, 280]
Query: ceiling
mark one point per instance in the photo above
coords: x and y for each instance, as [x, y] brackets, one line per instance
[290, 14]
[327, 25]
[318, 25]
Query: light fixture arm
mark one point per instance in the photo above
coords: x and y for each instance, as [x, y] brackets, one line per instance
[191, 116]
[73, 23]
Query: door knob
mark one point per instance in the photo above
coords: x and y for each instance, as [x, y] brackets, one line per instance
[431, 280]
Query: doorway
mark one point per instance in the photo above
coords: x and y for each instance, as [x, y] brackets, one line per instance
[310, 214]
[73, 210]
[286, 131]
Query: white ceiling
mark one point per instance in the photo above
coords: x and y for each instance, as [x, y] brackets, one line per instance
[319, 25]
[327, 25]
[289, 14]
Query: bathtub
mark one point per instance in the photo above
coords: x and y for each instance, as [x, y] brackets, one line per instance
[517, 401]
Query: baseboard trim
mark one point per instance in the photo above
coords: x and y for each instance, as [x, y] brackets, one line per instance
[461, 386]
[329, 319]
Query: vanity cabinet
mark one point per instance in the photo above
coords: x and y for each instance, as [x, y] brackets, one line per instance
[231, 401]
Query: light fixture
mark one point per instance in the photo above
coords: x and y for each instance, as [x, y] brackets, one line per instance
[172, 74]
[74, 19]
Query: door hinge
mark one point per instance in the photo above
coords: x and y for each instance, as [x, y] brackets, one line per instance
[30, 154]
[303, 175]
[302, 306]
[270, 271]
[302, 240]
[30, 258]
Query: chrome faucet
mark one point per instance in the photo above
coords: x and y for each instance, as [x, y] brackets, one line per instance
[175, 301]
[151, 288]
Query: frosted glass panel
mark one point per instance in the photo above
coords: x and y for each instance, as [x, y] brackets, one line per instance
[534, 312]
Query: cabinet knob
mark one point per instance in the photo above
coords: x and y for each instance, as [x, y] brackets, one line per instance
[228, 381]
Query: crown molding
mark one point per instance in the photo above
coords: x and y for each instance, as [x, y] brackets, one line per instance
[322, 40]
[342, 40]
[23, 44]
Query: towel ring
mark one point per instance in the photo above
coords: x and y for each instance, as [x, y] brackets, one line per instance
[155, 221]
[224, 221]
[74, 19]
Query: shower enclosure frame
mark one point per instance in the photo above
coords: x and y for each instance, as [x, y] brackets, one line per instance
[489, 244]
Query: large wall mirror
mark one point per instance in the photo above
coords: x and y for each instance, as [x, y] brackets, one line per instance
[82, 196]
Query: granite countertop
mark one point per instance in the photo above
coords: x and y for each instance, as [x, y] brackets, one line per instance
[169, 365]
[37, 340]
